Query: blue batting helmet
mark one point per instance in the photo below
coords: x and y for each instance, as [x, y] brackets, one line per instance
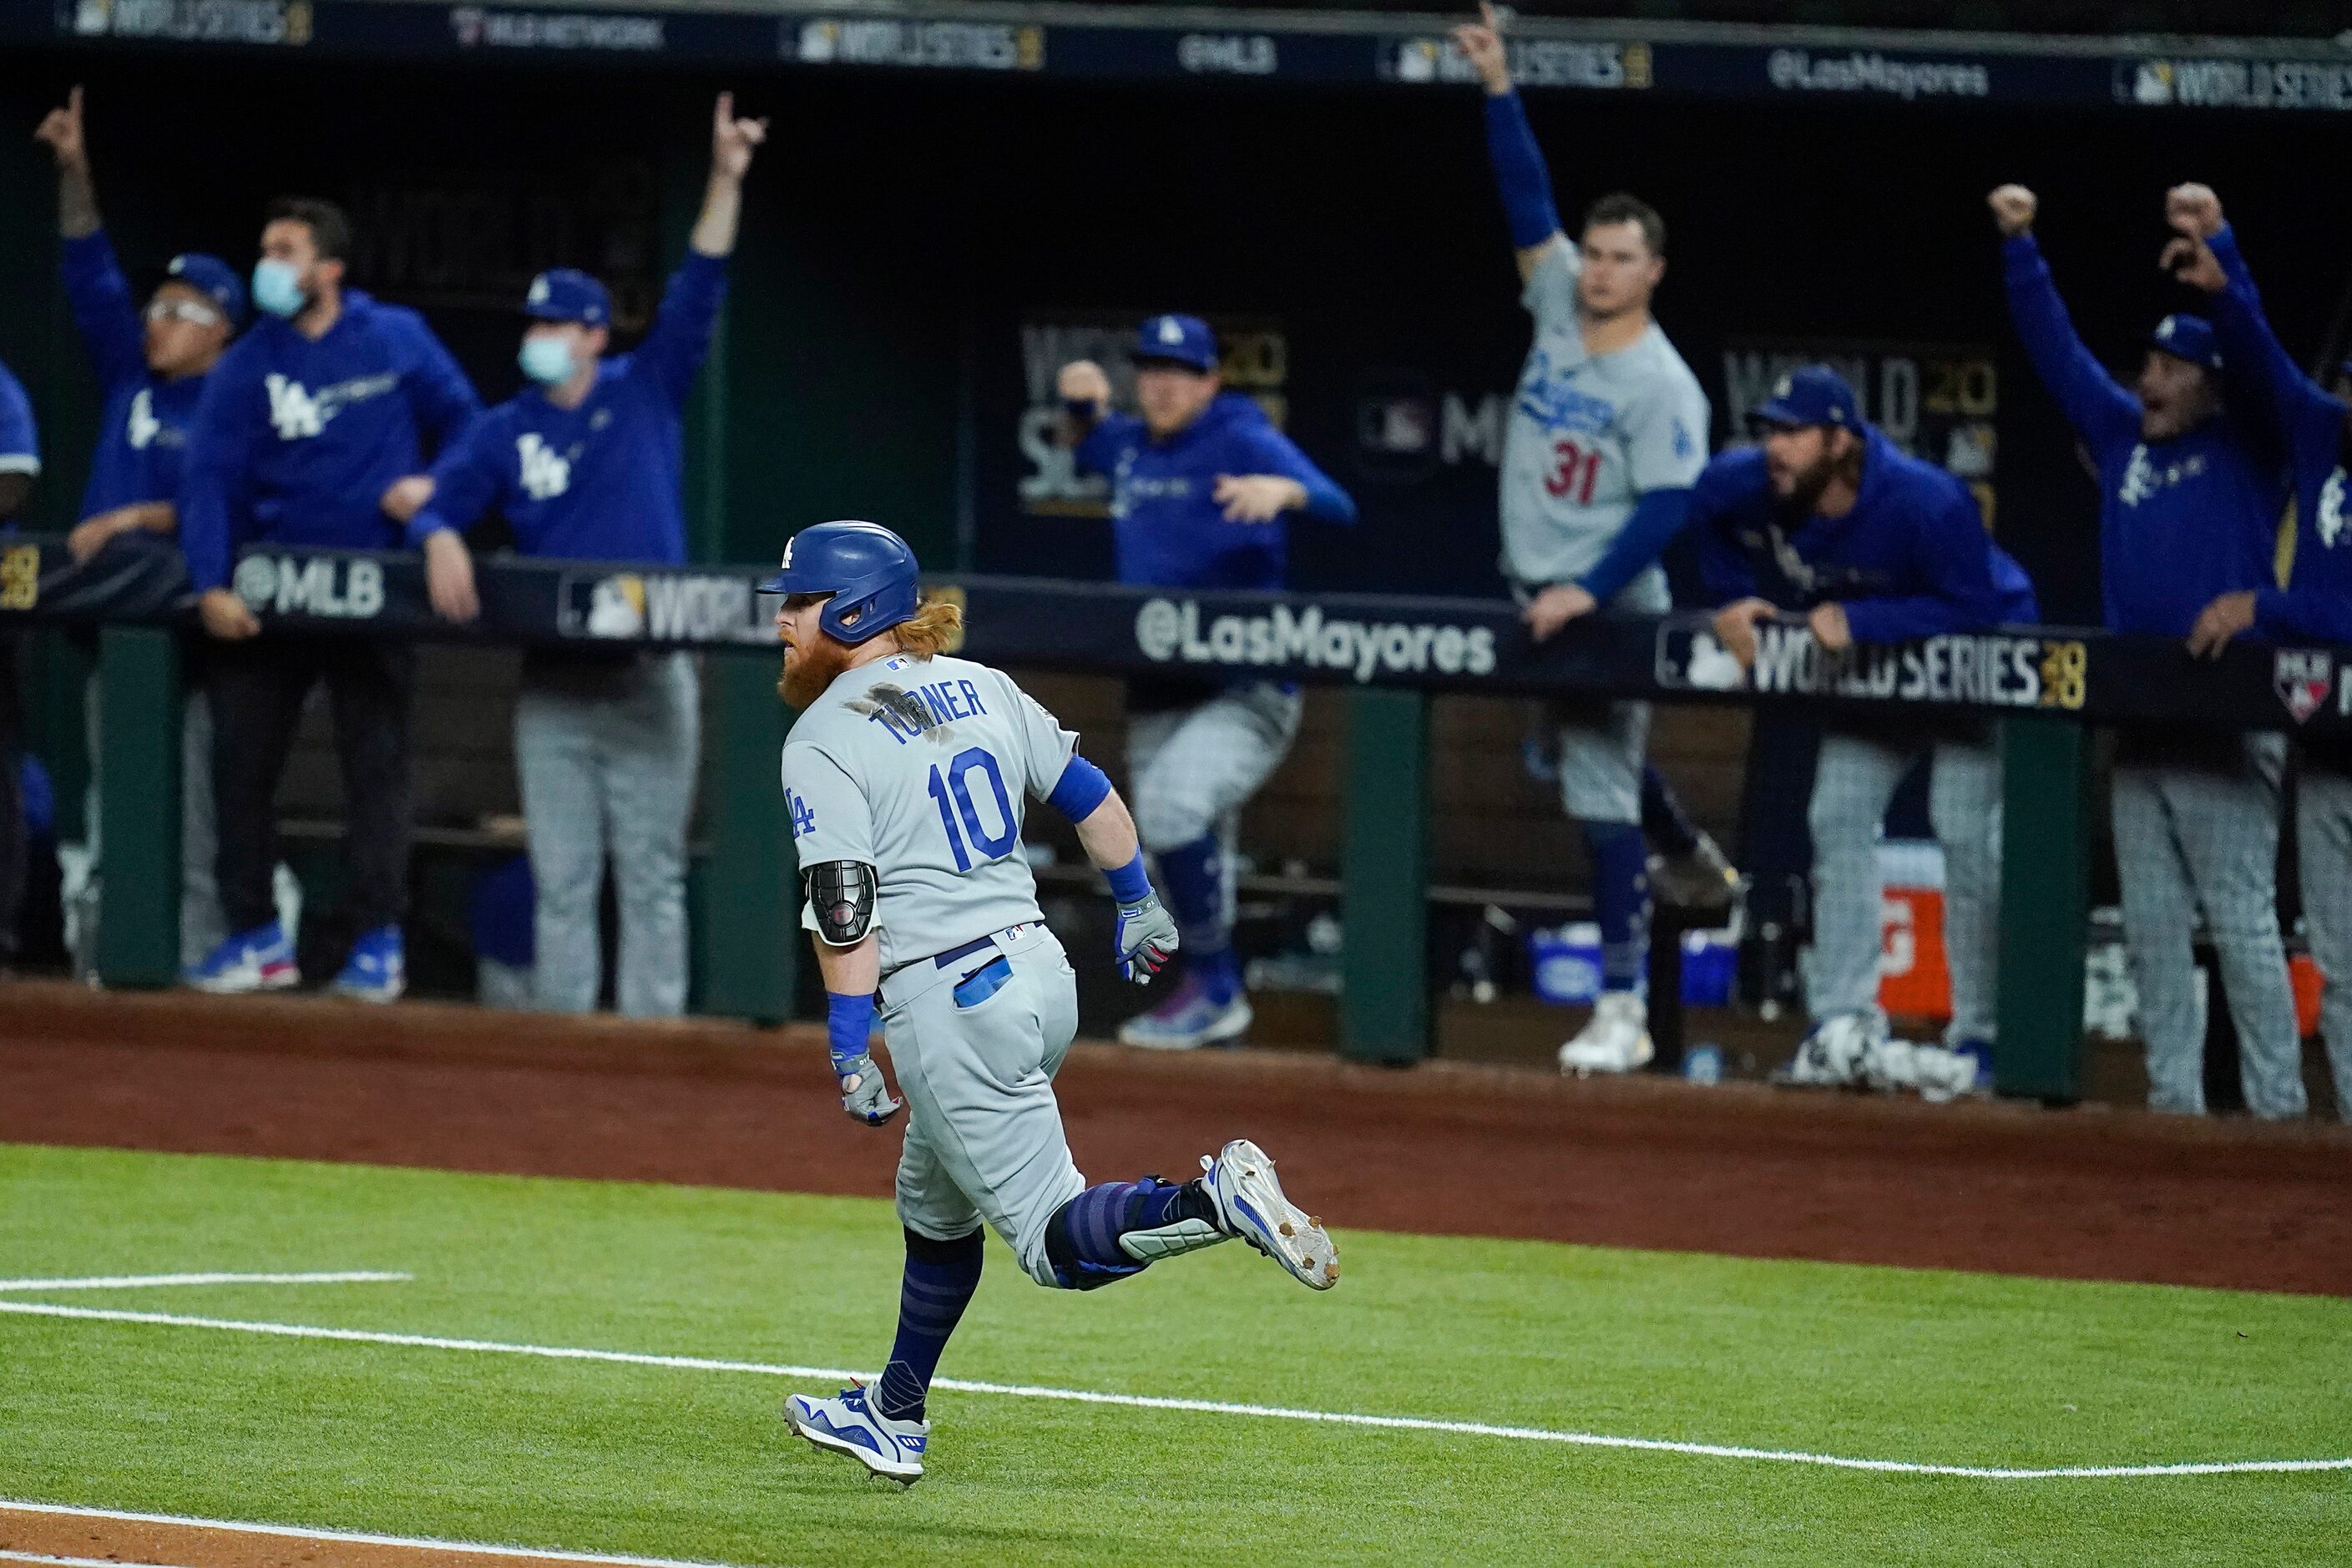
[867, 570]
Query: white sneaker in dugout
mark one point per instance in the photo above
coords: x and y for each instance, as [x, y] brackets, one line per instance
[1250, 1205]
[1616, 1040]
[1188, 1021]
[847, 1424]
[1835, 1053]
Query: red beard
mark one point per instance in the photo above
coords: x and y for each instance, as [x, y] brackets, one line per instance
[810, 668]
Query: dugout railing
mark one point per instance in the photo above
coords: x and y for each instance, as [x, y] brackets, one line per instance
[2045, 687]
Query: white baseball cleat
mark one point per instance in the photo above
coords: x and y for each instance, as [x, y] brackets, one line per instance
[1616, 1040]
[1838, 1052]
[1250, 1205]
[1891, 1066]
[1189, 1020]
[848, 1424]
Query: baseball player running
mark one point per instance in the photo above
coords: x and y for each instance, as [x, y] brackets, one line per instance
[1607, 432]
[2316, 604]
[1201, 487]
[2189, 503]
[1829, 520]
[906, 779]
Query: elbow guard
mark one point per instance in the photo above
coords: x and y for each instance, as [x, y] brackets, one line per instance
[841, 897]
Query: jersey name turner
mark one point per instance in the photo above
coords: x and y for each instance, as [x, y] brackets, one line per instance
[924, 769]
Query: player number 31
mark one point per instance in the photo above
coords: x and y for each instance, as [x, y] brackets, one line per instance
[1575, 469]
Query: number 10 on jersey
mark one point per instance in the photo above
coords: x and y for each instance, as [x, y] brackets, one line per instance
[952, 793]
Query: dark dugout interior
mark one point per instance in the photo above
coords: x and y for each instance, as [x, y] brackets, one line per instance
[904, 225]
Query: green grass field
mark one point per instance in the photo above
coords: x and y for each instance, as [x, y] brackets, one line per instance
[1866, 1363]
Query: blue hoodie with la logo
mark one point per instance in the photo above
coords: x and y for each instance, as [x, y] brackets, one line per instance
[295, 440]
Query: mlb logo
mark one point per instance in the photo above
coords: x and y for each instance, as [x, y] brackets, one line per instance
[2303, 677]
[1689, 659]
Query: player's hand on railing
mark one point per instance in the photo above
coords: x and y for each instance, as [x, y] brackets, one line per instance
[1145, 939]
[1828, 623]
[225, 616]
[1555, 607]
[1257, 498]
[449, 577]
[1482, 43]
[2194, 210]
[1735, 627]
[2013, 207]
[2220, 621]
[864, 1094]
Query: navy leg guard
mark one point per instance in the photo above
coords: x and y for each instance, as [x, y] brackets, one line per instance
[1110, 1232]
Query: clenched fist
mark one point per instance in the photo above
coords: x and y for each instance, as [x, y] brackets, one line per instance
[1083, 381]
[2012, 208]
[2193, 210]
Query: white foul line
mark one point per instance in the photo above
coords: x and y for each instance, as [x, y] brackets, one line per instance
[357, 1538]
[1204, 1406]
[145, 1281]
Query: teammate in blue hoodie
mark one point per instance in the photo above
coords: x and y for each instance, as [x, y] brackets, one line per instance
[585, 463]
[151, 364]
[1202, 486]
[2315, 607]
[20, 465]
[2189, 508]
[314, 429]
[1829, 520]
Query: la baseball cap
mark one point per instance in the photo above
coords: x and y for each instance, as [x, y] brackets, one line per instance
[2188, 337]
[1177, 340]
[1816, 394]
[568, 294]
[213, 278]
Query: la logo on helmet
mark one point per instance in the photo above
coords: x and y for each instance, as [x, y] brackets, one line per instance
[786, 564]
[1170, 333]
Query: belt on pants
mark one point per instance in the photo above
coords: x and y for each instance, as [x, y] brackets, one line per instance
[984, 981]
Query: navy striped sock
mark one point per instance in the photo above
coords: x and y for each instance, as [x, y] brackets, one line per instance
[1093, 1221]
[939, 1283]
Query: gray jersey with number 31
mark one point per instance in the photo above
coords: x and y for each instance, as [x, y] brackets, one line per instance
[923, 768]
[1589, 433]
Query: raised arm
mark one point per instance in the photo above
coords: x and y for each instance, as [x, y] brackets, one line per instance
[673, 350]
[2102, 412]
[1521, 177]
[95, 288]
[2204, 255]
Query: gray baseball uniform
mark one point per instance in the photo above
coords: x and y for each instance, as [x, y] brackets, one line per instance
[2196, 828]
[2323, 844]
[923, 768]
[1589, 433]
[1853, 785]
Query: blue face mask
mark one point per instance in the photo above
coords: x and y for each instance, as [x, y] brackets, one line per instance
[277, 287]
[546, 360]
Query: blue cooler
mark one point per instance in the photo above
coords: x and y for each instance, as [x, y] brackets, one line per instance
[1566, 963]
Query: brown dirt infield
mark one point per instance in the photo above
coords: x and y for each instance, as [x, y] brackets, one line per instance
[1450, 1149]
[95, 1538]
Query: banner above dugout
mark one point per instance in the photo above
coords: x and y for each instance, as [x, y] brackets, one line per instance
[1405, 52]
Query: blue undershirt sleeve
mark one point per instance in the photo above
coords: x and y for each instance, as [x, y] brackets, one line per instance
[1657, 517]
[1520, 177]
